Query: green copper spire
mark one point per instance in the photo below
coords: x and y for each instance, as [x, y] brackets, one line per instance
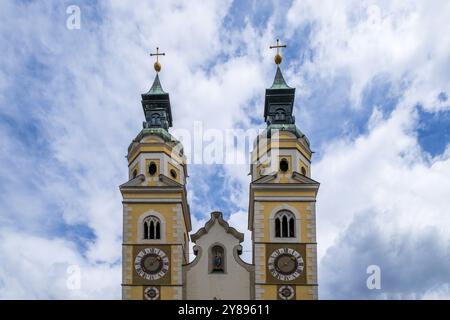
[156, 105]
[278, 81]
[156, 87]
[279, 102]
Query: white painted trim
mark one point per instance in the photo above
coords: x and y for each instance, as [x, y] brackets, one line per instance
[159, 200]
[133, 163]
[268, 198]
[163, 159]
[295, 155]
[295, 186]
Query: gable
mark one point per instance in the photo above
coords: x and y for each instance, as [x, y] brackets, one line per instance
[217, 218]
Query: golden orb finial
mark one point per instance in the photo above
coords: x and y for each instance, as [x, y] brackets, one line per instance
[278, 57]
[157, 65]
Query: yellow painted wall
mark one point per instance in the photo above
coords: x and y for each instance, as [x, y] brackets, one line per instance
[133, 195]
[306, 166]
[285, 177]
[134, 292]
[290, 144]
[301, 207]
[304, 292]
[270, 292]
[168, 293]
[149, 148]
[301, 292]
[152, 180]
[172, 167]
[165, 292]
[284, 193]
[135, 167]
[153, 144]
[165, 209]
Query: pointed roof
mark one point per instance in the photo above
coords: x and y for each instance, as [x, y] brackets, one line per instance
[279, 95]
[278, 81]
[156, 105]
[156, 87]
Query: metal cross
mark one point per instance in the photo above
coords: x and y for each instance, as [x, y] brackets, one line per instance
[278, 46]
[157, 54]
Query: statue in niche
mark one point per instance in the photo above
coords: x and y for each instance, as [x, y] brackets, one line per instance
[217, 259]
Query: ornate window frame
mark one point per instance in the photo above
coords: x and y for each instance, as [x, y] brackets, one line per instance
[140, 227]
[297, 224]
[148, 227]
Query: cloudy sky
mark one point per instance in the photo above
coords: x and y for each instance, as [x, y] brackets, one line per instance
[373, 82]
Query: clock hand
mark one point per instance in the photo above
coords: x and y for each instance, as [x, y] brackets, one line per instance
[152, 261]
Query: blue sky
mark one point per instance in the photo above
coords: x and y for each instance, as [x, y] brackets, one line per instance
[372, 83]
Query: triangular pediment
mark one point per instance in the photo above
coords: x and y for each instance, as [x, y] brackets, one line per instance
[266, 178]
[303, 179]
[139, 181]
[135, 182]
[169, 182]
[296, 177]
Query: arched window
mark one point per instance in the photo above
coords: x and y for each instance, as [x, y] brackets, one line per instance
[152, 228]
[217, 259]
[292, 227]
[284, 224]
[152, 168]
[146, 230]
[284, 165]
[280, 114]
[277, 228]
[303, 171]
[155, 119]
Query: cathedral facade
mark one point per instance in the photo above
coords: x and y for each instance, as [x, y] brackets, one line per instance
[157, 231]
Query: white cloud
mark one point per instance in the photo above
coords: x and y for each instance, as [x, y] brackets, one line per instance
[379, 201]
[35, 267]
[403, 39]
[95, 77]
[380, 195]
[88, 110]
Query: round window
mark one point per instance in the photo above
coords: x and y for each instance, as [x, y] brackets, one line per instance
[303, 171]
[152, 168]
[284, 165]
[173, 173]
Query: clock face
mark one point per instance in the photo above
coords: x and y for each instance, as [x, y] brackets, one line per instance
[151, 263]
[151, 293]
[286, 292]
[285, 264]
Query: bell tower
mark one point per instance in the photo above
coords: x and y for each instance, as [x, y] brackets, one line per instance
[282, 215]
[156, 216]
